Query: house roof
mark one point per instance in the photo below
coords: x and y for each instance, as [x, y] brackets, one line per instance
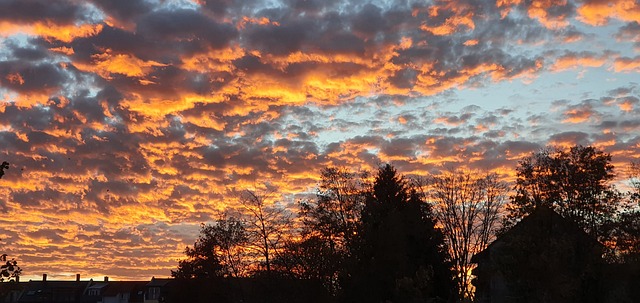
[545, 221]
[35, 285]
[118, 287]
[98, 285]
[37, 291]
[159, 282]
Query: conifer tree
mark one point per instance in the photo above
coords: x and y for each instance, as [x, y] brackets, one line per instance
[398, 254]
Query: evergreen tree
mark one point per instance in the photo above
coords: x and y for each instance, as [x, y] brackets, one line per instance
[398, 254]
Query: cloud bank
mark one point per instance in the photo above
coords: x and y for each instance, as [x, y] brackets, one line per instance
[128, 123]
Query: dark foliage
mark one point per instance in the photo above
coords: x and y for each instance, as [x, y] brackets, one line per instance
[398, 254]
[625, 235]
[9, 269]
[3, 166]
[215, 252]
[202, 260]
[310, 258]
[329, 223]
[574, 183]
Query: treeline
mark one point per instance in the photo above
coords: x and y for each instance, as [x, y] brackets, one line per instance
[388, 237]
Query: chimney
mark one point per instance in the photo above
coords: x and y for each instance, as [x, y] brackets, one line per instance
[44, 277]
[77, 277]
[106, 279]
[17, 279]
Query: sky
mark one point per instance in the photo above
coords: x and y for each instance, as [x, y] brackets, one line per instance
[128, 123]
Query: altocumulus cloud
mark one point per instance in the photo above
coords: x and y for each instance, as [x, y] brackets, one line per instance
[128, 123]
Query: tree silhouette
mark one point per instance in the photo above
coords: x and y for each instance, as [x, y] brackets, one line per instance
[3, 166]
[202, 260]
[218, 251]
[9, 269]
[232, 239]
[267, 225]
[335, 212]
[468, 206]
[309, 258]
[328, 223]
[574, 183]
[626, 236]
[634, 178]
[626, 228]
[398, 254]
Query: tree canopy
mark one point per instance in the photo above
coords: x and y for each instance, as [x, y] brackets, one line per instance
[575, 183]
[400, 241]
[216, 253]
[3, 166]
[398, 254]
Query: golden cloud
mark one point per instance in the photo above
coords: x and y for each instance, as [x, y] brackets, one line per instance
[599, 12]
[108, 63]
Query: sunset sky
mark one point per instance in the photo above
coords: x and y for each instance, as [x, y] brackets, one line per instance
[128, 123]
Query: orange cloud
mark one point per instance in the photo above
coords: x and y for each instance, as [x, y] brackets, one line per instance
[626, 64]
[571, 61]
[27, 100]
[451, 25]
[66, 33]
[260, 21]
[63, 50]
[506, 5]
[51, 31]
[539, 10]
[471, 42]
[599, 12]
[218, 60]
[578, 115]
[108, 63]
[462, 16]
[627, 104]
[130, 162]
[15, 78]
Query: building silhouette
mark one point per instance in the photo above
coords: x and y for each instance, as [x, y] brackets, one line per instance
[547, 258]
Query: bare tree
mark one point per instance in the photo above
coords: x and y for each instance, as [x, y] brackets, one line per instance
[329, 222]
[233, 240]
[625, 233]
[335, 212]
[267, 225]
[468, 207]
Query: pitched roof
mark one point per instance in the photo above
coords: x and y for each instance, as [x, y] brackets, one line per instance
[546, 222]
[159, 282]
[118, 287]
[37, 291]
